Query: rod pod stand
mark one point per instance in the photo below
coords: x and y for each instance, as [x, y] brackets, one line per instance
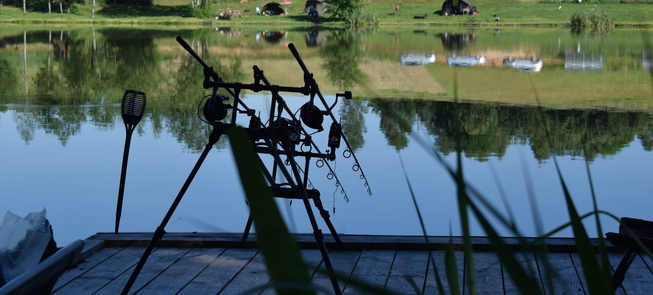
[259, 76]
[218, 130]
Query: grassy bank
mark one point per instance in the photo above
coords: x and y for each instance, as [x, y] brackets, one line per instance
[511, 12]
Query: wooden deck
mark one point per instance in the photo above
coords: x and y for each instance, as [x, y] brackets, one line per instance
[220, 264]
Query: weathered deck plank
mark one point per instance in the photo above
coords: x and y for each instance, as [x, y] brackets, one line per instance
[639, 279]
[158, 262]
[97, 277]
[219, 272]
[438, 256]
[411, 263]
[312, 258]
[565, 275]
[204, 269]
[612, 257]
[343, 263]
[489, 278]
[85, 266]
[253, 275]
[175, 277]
[373, 268]
[529, 263]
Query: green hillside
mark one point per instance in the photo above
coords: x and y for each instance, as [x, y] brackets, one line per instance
[511, 13]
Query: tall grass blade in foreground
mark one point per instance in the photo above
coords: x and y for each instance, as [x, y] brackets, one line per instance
[525, 283]
[596, 277]
[461, 194]
[438, 281]
[452, 269]
[282, 257]
[283, 260]
[605, 263]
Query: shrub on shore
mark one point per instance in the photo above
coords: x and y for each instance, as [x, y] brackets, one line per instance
[593, 18]
[361, 18]
[344, 9]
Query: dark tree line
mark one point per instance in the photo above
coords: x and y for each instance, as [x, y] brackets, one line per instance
[486, 130]
[68, 6]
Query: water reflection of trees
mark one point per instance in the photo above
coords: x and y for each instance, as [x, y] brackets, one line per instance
[9, 78]
[94, 68]
[352, 118]
[341, 56]
[480, 130]
[80, 69]
[396, 120]
[137, 60]
[64, 122]
[486, 130]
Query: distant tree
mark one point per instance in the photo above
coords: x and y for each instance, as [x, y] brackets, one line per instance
[343, 9]
[132, 2]
[200, 9]
[199, 3]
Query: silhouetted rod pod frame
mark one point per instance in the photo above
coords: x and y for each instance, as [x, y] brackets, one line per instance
[132, 109]
[282, 135]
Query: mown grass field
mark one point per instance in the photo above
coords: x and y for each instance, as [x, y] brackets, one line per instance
[512, 13]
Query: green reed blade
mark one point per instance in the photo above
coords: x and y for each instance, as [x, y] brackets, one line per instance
[463, 200]
[595, 276]
[451, 269]
[282, 257]
[605, 264]
[527, 284]
[438, 281]
[472, 192]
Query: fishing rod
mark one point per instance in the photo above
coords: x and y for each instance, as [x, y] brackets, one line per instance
[310, 107]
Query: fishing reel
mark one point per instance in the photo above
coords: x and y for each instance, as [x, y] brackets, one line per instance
[313, 117]
[285, 131]
[213, 109]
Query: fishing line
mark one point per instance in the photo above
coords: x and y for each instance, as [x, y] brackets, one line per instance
[335, 165]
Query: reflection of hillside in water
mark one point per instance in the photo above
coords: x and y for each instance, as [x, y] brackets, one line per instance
[486, 130]
[85, 65]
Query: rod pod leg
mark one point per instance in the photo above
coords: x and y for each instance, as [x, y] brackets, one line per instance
[317, 232]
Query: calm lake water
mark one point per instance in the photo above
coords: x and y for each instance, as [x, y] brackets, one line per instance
[417, 91]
